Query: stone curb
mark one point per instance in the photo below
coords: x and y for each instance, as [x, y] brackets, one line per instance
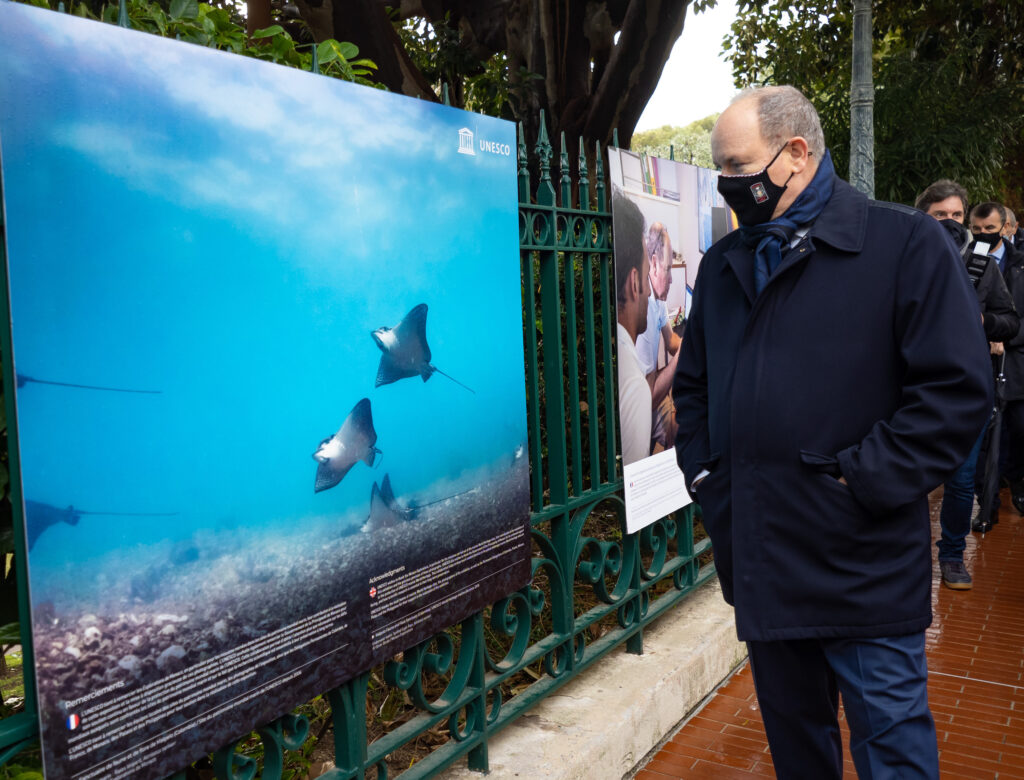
[602, 724]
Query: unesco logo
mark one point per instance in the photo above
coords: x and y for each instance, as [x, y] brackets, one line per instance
[466, 145]
[492, 147]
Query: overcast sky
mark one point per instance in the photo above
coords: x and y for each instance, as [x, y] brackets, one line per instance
[696, 81]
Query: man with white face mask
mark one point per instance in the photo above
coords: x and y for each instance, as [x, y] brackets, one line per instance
[834, 371]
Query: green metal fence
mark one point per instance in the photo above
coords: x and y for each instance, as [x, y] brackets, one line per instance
[594, 587]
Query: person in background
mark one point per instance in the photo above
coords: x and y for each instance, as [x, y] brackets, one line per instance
[947, 202]
[648, 343]
[1013, 233]
[987, 222]
[834, 371]
[632, 267]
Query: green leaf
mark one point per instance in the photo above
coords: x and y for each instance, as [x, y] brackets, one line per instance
[222, 19]
[331, 50]
[347, 50]
[10, 634]
[282, 46]
[269, 32]
[184, 9]
[326, 53]
[161, 22]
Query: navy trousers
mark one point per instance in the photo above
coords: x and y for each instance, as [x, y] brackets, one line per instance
[883, 683]
[957, 502]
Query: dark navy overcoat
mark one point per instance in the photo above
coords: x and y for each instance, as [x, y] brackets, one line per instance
[864, 357]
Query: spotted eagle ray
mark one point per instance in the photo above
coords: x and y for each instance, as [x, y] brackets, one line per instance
[24, 379]
[354, 441]
[40, 516]
[385, 511]
[518, 453]
[405, 349]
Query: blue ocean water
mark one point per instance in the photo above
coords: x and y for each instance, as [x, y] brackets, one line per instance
[227, 234]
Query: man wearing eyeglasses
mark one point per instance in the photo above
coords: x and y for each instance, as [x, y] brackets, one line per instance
[658, 332]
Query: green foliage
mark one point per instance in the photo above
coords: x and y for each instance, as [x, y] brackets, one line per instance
[12, 677]
[658, 138]
[215, 27]
[690, 144]
[343, 57]
[221, 27]
[949, 85]
[485, 86]
[19, 772]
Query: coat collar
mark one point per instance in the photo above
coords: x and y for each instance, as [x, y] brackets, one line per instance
[741, 260]
[841, 225]
[843, 222]
[1013, 256]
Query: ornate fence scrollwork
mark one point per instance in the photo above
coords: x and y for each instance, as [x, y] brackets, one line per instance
[288, 732]
[513, 617]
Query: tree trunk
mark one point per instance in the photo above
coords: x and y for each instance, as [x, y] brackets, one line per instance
[366, 24]
[257, 16]
[590, 83]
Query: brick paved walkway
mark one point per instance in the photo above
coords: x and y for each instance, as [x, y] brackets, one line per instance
[975, 687]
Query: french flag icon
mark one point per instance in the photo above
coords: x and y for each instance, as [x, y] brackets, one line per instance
[73, 721]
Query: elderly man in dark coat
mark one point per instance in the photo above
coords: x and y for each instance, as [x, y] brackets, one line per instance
[834, 371]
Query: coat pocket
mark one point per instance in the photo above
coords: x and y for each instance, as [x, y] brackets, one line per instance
[823, 464]
[710, 461]
[827, 472]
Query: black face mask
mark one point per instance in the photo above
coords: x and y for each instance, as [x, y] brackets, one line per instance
[956, 230]
[992, 239]
[753, 196]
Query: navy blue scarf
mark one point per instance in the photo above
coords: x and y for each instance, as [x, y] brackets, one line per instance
[768, 239]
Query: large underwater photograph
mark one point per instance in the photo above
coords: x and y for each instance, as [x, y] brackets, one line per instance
[268, 375]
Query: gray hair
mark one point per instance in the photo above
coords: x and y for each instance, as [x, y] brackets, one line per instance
[1011, 218]
[784, 113]
[656, 235]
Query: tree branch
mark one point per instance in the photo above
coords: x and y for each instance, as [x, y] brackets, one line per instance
[650, 28]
